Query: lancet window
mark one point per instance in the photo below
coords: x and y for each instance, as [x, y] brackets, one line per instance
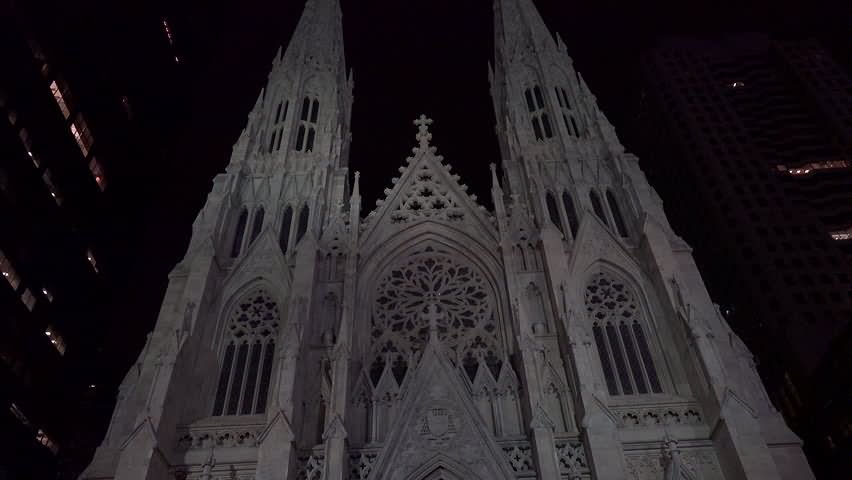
[619, 331]
[616, 214]
[307, 131]
[284, 235]
[278, 125]
[239, 233]
[257, 225]
[304, 216]
[567, 114]
[248, 353]
[570, 213]
[597, 206]
[538, 113]
[553, 212]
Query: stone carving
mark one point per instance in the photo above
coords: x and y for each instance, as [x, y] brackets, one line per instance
[219, 437]
[521, 459]
[427, 197]
[360, 465]
[571, 456]
[254, 318]
[695, 463]
[438, 425]
[658, 415]
[310, 466]
[434, 286]
[608, 299]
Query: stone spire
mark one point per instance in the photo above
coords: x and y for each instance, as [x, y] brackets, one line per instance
[318, 38]
[519, 27]
[302, 117]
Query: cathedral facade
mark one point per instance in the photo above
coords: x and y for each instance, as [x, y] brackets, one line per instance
[565, 335]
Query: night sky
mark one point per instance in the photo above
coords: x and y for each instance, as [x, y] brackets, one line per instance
[431, 57]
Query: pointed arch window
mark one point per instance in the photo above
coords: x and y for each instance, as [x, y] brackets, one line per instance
[239, 233]
[278, 125]
[567, 114]
[570, 213]
[619, 332]
[597, 206]
[284, 237]
[307, 131]
[247, 357]
[542, 128]
[616, 214]
[553, 212]
[304, 215]
[257, 225]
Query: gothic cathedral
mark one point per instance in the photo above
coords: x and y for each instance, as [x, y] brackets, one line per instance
[565, 335]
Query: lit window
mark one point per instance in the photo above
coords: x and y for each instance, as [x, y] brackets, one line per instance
[55, 339]
[92, 261]
[47, 294]
[81, 133]
[842, 234]
[59, 97]
[812, 166]
[9, 272]
[168, 31]
[17, 413]
[43, 439]
[98, 173]
[28, 298]
[24, 134]
[48, 181]
[125, 103]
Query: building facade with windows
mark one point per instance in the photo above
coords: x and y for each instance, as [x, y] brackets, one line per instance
[70, 154]
[565, 335]
[755, 133]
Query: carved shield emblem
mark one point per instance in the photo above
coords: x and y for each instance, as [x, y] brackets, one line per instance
[438, 420]
[438, 424]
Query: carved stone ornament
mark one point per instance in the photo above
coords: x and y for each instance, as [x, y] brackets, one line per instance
[438, 425]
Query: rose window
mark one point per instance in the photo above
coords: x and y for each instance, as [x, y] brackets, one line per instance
[433, 289]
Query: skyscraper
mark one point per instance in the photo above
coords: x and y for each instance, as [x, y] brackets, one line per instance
[567, 334]
[72, 158]
[755, 134]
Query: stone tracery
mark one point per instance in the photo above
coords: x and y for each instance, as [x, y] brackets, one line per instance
[432, 286]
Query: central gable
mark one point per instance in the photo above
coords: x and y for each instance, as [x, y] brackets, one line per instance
[439, 430]
[426, 191]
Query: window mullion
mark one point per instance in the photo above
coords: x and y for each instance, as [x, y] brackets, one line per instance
[616, 376]
[640, 360]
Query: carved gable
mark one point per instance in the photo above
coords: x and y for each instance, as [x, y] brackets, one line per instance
[438, 420]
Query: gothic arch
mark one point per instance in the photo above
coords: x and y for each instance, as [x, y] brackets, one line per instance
[247, 341]
[647, 311]
[236, 292]
[442, 467]
[377, 263]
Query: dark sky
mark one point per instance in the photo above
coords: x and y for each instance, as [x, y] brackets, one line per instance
[413, 57]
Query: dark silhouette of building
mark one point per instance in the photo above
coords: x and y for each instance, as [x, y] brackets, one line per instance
[749, 141]
[77, 160]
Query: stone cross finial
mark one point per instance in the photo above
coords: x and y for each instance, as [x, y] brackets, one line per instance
[423, 135]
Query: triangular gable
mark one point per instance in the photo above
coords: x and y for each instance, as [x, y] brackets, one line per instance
[426, 190]
[594, 242]
[437, 419]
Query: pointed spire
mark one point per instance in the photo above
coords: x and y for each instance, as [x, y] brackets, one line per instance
[517, 24]
[319, 35]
